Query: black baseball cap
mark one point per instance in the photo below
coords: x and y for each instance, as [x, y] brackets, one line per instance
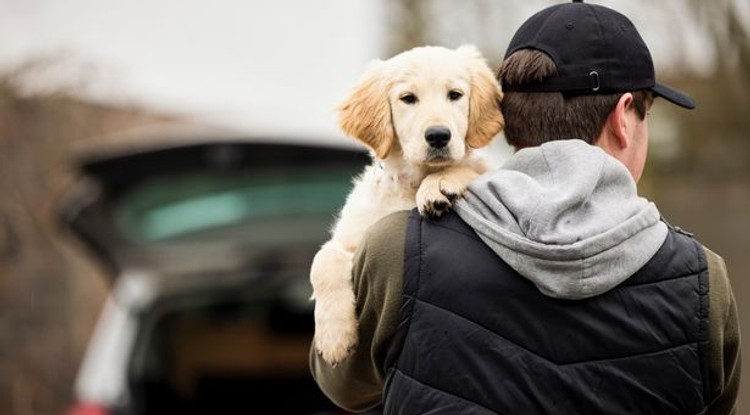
[596, 49]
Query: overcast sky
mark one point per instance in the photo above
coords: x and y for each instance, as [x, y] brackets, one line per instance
[258, 65]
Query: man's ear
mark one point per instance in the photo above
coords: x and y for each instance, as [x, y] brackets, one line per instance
[617, 122]
[366, 113]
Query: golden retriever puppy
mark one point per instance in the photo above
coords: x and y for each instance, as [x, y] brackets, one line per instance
[422, 113]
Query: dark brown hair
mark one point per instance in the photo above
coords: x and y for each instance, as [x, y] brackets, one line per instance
[535, 118]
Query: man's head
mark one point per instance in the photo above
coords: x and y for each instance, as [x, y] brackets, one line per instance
[567, 70]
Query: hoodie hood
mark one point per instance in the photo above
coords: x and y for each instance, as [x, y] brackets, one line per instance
[566, 216]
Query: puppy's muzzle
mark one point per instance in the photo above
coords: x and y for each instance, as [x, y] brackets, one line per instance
[437, 136]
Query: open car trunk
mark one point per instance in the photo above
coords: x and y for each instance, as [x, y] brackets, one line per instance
[226, 230]
[174, 208]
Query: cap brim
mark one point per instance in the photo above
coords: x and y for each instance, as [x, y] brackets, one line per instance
[674, 96]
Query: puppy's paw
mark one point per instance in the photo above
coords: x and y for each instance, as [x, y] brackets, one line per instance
[438, 191]
[335, 331]
[432, 202]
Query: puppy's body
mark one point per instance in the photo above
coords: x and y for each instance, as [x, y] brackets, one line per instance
[422, 113]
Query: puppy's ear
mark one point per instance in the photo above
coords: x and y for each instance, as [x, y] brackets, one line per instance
[485, 118]
[366, 113]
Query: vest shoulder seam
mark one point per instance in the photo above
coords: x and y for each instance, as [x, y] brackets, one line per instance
[549, 359]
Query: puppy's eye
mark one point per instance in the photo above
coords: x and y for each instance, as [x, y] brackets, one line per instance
[455, 95]
[408, 98]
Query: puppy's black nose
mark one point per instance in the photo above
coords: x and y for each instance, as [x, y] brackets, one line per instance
[437, 136]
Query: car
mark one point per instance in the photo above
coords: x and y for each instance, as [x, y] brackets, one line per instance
[208, 241]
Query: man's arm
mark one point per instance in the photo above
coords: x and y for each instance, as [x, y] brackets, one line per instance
[356, 384]
[724, 339]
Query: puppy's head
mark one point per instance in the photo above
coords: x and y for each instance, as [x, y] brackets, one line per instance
[430, 103]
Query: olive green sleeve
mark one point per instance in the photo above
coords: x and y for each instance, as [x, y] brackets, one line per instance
[356, 384]
[724, 339]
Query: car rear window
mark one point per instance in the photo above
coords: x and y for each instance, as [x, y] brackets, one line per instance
[278, 204]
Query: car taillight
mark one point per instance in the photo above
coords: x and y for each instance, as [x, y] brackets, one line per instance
[88, 409]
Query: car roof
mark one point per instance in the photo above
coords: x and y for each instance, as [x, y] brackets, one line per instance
[175, 133]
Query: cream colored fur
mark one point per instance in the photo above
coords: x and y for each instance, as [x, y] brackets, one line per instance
[454, 89]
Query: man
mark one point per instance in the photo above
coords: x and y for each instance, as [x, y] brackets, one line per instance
[553, 288]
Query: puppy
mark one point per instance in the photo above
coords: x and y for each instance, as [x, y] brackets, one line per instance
[421, 113]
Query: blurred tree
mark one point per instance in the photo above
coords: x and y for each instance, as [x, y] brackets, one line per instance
[49, 295]
[483, 23]
[729, 29]
[715, 139]
[407, 24]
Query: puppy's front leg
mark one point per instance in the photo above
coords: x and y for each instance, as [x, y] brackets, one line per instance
[335, 313]
[438, 190]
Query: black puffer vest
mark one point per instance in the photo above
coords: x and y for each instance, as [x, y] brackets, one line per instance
[477, 338]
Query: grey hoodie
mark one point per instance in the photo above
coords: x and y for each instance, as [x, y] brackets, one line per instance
[565, 215]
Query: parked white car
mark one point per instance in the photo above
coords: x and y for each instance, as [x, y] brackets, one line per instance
[209, 244]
